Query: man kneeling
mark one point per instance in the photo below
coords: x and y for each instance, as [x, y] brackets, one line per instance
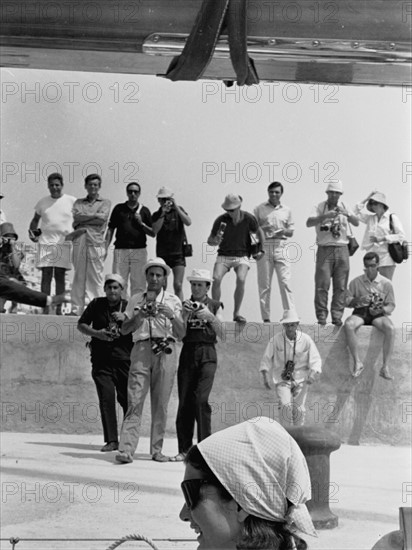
[373, 299]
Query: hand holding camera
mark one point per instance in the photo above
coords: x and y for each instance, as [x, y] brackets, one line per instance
[34, 235]
[375, 304]
[287, 373]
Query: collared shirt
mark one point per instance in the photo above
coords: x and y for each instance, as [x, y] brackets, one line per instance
[96, 228]
[129, 233]
[325, 238]
[363, 286]
[158, 326]
[280, 349]
[271, 218]
[379, 228]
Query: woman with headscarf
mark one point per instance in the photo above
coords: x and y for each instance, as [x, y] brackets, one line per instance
[374, 212]
[245, 487]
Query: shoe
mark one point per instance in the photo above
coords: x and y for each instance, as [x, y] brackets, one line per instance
[124, 458]
[178, 458]
[337, 323]
[239, 319]
[358, 369]
[321, 321]
[385, 373]
[160, 457]
[266, 320]
[111, 446]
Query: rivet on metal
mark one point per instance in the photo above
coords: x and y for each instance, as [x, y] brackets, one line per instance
[392, 45]
[272, 41]
[316, 43]
[355, 44]
[155, 38]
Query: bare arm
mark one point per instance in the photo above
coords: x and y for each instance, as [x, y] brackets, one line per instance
[34, 222]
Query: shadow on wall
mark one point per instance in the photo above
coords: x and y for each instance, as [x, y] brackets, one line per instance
[47, 386]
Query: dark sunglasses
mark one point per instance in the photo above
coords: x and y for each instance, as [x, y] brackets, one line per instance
[234, 210]
[191, 491]
[130, 191]
[372, 203]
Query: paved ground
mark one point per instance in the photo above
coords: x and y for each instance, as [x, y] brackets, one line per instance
[62, 487]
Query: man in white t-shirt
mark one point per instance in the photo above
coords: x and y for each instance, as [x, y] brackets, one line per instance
[55, 213]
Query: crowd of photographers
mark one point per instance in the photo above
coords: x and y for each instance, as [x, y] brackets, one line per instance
[80, 231]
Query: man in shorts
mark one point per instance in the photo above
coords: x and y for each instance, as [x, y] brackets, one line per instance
[168, 224]
[232, 232]
[373, 299]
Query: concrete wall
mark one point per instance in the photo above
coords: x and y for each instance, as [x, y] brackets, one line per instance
[46, 384]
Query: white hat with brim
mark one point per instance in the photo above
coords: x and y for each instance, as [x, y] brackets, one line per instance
[336, 187]
[379, 197]
[157, 262]
[200, 275]
[164, 193]
[114, 277]
[231, 202]
[289, 316]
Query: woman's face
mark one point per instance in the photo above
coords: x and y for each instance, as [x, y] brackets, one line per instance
[216, 521]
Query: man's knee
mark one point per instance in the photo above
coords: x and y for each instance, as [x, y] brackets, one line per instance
[351, 324]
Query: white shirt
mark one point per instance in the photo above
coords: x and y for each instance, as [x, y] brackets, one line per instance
[280, 349]
[272, 218]
[158, 326]
[56, 218]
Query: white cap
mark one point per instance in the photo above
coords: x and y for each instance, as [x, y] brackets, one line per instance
[200, 275]
[164, 193]
[289, 316]
[336, 186]
[114, 277]
[157, 262]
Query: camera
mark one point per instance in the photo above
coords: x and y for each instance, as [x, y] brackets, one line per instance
[150, 308]
[161, 346]
[196, 324]
[376, 301]
[287, 373]
[325, 227]
[196, 306]
[113, 329]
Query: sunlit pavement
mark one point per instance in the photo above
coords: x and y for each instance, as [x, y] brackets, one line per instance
[62, 487]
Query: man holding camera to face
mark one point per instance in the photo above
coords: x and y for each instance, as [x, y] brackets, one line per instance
[155, 317]
[372, 297]
[197, 363]
[294, 363]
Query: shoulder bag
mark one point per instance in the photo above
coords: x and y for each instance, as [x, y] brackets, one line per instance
[397, 251]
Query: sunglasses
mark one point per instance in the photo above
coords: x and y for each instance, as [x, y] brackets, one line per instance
[191, 491]
[234, 210]
[133, 191]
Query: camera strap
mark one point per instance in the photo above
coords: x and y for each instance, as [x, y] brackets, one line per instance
[150, 321]
[284, 349]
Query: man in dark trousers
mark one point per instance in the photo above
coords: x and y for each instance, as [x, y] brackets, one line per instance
[197, 363]
[110, 354]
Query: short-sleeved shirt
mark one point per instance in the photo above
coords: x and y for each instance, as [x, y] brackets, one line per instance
[236, 238]
[98, 315]
[325, 238]
[56, 218]
[271, 218]
[158, 326]
[280, 350]
[100, 209]
[169, 240]
[129, 233]
[363, 286]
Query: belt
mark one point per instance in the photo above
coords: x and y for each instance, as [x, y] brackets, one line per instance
[171, 340]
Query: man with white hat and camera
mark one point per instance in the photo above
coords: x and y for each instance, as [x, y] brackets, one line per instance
[293, 361]
[198, 362]
[155, 317]
[110, 353]
[169, 227]
[232, 232]
[331, 219]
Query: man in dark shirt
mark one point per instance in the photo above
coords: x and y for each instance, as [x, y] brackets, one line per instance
[197, 363]
[169, 226]
[110, 354]
[233, 233]
[132, 222]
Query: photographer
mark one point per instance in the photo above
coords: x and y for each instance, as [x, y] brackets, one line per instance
[372, 297]
[110, 354]
[10, 259]
[168, 224]
[294, 363]
[331, 219]
[155, 317]
[197, 362]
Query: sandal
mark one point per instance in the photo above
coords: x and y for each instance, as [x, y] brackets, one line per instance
[239, 319]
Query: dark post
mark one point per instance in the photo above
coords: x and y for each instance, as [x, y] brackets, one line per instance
[316, 444]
